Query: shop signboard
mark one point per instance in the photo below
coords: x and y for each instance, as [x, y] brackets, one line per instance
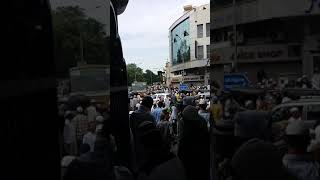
[233, 80]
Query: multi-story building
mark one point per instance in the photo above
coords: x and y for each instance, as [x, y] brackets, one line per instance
[189, 41]
[278, 37]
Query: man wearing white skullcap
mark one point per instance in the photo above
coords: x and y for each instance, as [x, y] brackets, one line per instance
[295, 115]
[297, 161]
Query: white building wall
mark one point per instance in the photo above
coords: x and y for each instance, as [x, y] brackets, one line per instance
[200, 15]
[258, 10]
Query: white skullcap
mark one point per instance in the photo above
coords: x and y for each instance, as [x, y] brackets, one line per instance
[294, 109]
[80, 109]
[249, 102]
[99, 119]
[67, 160]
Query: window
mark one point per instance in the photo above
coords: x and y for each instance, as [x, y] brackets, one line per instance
[313, 112]
[200, 52]
[208, 51]
[316, 64]
[208, 29]
[200, 31]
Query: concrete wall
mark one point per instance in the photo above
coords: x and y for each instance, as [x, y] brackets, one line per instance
[199, 16]
[257, 10]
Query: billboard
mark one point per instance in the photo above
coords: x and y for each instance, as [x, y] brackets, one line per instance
[180, 42]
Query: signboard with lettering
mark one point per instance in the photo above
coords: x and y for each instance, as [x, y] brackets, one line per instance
[192, 78]
[253, 11]
[235, 81]
[183, 87]
[259, 53]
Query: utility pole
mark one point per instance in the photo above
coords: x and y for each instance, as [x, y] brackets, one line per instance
[235, 63]
[81, 48]
[135, 75]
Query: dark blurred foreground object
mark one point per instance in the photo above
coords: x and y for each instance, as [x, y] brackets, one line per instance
[252, 124]
[194, 145]
[119, 88]
[120, 5]
[28, 93]
[257, 159]
[297, 161]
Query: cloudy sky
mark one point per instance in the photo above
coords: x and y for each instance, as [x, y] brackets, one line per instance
[144, 30]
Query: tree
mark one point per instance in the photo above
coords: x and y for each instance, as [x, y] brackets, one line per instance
[71, 28]
[151, 77]
[134, 72]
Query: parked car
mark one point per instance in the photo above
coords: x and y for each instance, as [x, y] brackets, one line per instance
[309, 109]
[157, 97]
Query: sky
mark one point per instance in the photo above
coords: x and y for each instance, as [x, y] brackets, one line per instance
[144, 30]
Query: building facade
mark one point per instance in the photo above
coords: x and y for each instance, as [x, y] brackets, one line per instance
[278, 37]
[189, 42]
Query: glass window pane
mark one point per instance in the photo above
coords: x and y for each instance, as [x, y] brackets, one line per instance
[200, 52]
[200, 30]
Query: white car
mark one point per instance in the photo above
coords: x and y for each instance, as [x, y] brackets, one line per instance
[157, 97]
[309, 109]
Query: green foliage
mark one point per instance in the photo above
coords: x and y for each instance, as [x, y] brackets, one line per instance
[134, 71]
[71, 26]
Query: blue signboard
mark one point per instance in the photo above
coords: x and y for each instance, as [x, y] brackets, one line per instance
[235, 81]
[183, 87]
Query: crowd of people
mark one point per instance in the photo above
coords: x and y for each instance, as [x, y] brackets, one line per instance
[185, 135]
[240, 131]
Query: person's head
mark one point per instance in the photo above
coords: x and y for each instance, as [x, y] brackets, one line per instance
[160, 104]
[147, 102]
[297, 137]
[251, 124]
[193, 121]
[99, 119]
[80, 110]
[295, 112]
[214, 99]
[92, 126]
[150, 137]
[188, 101]
[68, 115]
[249, 105]
[166, 113]
[202, 104]
[162, 117]
[257, 159]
